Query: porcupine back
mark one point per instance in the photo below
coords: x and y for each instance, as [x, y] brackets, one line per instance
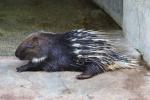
[108, 51]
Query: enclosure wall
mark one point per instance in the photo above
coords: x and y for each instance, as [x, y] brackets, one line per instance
[113, 7]
[136, 25]
[134, 17]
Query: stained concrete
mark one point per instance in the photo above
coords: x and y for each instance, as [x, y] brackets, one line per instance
[18, 18]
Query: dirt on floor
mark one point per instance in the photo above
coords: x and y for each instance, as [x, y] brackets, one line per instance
[19, 17]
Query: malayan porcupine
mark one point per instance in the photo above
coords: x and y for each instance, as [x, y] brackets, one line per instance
[87, 51]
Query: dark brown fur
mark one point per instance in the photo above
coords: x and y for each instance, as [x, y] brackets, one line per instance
[55, 48]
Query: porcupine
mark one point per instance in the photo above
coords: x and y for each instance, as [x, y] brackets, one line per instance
[87, 51]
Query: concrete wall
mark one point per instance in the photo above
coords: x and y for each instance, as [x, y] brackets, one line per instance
[113, 7]
[136, 25]
[134, 17]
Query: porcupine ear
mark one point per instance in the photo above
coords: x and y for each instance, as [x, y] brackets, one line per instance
[35, 41]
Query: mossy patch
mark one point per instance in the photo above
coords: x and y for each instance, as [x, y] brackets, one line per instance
[23, 16]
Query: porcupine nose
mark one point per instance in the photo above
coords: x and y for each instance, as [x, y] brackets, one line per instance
[18, 54]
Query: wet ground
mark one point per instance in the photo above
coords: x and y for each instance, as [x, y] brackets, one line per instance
[19, 17]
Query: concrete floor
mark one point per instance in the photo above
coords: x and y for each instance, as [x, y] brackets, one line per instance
[118, 85]
[125, 84]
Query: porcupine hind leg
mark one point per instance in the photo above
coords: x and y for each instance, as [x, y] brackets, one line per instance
[91, 69]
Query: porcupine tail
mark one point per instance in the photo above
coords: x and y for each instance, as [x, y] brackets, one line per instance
[112, 50]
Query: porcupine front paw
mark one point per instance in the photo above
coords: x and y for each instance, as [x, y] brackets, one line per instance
[21, 69]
